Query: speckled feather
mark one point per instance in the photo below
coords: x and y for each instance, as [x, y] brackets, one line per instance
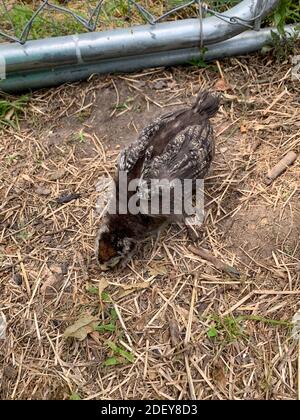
[178, 145]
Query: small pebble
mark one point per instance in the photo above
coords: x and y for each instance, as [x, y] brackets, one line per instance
[18, 279]
[42, 191]
[160, 84]
[66, 198]
[60, 173]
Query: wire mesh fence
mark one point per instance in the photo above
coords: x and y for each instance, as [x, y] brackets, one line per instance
[21, 21]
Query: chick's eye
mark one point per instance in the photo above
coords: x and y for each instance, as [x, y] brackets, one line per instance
[106, 251]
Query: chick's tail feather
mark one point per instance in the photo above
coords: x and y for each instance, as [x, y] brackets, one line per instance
[206, 103]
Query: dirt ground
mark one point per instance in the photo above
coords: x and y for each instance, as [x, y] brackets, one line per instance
[173, 326]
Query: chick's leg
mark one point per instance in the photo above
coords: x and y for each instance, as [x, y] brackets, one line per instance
[128, 257]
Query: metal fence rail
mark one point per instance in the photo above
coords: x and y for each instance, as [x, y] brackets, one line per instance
[46, 62]
[90, 22]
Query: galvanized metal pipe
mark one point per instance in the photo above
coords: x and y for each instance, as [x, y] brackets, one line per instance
[94, 47]
[247, 42]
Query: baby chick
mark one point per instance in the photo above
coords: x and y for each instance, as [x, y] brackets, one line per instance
[176, 146]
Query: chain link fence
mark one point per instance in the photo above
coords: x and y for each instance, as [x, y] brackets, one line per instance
[108, 36]
[21, 21]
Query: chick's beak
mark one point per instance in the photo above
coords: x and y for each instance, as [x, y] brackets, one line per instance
[110, 264]
[104, 267]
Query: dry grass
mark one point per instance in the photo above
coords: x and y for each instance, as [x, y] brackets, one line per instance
[169, 322]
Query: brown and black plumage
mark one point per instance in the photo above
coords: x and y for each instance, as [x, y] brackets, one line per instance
[177, 145]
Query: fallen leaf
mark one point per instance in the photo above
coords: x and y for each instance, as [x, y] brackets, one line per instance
[158, 270]
[102, 285]
[111, 361]
[222, 85]
[128, 356]
[105, 297]
[81, 328]
[93, 290]
[118, 350]
[130, 288]
[264, 221]
[53, 281]
[75, 397]
[212, 332]
[218, 375]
